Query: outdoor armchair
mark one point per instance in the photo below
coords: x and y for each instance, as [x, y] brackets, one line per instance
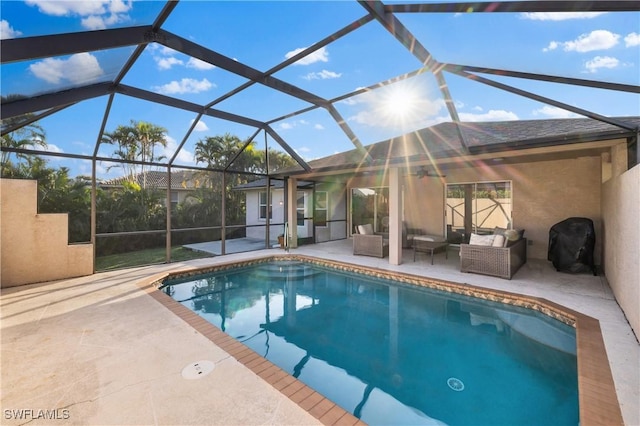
[368, 243]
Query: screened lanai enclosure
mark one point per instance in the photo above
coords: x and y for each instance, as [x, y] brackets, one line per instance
[181, 129]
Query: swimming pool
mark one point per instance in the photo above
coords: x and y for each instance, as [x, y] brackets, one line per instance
[391, 352]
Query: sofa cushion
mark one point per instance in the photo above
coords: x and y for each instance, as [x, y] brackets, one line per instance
[499, 231]
[425, 237]
[498, 240]
[366, 229]
[481, 240]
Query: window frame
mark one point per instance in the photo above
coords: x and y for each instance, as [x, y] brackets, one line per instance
[262, 206]
[324, 209]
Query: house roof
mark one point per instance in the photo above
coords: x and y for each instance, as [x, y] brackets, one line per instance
[275, 184]
[443, 140]
[185, 180]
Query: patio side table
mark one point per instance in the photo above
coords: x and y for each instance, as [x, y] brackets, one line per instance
[432, 247]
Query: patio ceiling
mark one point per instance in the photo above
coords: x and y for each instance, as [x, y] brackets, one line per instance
[33, 104]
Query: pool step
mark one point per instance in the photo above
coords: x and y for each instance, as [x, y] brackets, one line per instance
[285, 270]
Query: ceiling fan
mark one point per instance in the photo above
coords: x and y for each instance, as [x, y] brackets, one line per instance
[424, 172]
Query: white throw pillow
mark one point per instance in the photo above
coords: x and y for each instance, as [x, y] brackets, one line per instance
[481, 240]
[498, 240]
[365, 229]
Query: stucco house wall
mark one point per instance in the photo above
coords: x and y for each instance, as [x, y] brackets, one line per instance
[544, 193]
[253, 214]
[34, 247]
[424, 204]
[621, 236]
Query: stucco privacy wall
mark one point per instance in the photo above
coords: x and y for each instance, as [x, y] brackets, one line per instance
[544, 193]
[620, 212]
[33, 247]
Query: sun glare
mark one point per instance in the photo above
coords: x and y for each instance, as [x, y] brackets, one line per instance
[400, 104]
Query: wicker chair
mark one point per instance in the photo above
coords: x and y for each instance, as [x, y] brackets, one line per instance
[367, 243]
[370, 245]
[501, 262]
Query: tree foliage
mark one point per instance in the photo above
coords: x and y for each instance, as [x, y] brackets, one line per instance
[136, 143]
[26, 137]
[133, 207]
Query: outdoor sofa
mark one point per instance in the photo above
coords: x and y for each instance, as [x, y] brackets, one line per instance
[500, 254]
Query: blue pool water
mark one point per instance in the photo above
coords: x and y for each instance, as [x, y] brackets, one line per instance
[392, 353]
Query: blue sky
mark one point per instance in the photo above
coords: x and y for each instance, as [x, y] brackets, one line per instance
[603, 47]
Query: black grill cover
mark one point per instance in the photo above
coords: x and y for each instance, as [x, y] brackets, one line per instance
[571, 244]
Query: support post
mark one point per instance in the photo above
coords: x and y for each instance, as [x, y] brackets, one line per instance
[292, 214]
[395, 217]
[168, 204]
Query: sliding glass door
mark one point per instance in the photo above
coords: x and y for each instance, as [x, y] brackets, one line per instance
[477, 207]
[370, 205]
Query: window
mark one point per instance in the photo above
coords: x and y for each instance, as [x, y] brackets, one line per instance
[369, 205]
[262, 206]
[301, 204]
[477, 207]
[321, 209]
[174, 198]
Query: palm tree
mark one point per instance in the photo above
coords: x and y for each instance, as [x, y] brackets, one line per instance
[136, 142]
[217, 151]
[26, 137]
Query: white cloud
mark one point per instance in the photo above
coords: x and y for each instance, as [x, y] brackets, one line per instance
[186, 85]
[601, 62]
[167, 62]
[95, 15]
[478, 108]
[559, 16]
[554, 112]
[79, 68]
[49, 148]
[350, 101]
[201, 126]
[7, 31]
[159, 49]
[120, 6]
[632, 39]
[199, 64]
[166, 58]
[68, 7]
[184, 156]
[95, 22]
[492, 115]
[595, 40]
[322, 75]
[288, 125]
[320, 55]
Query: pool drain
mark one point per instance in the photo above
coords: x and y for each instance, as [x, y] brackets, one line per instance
[197, 370]
[455, 384]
